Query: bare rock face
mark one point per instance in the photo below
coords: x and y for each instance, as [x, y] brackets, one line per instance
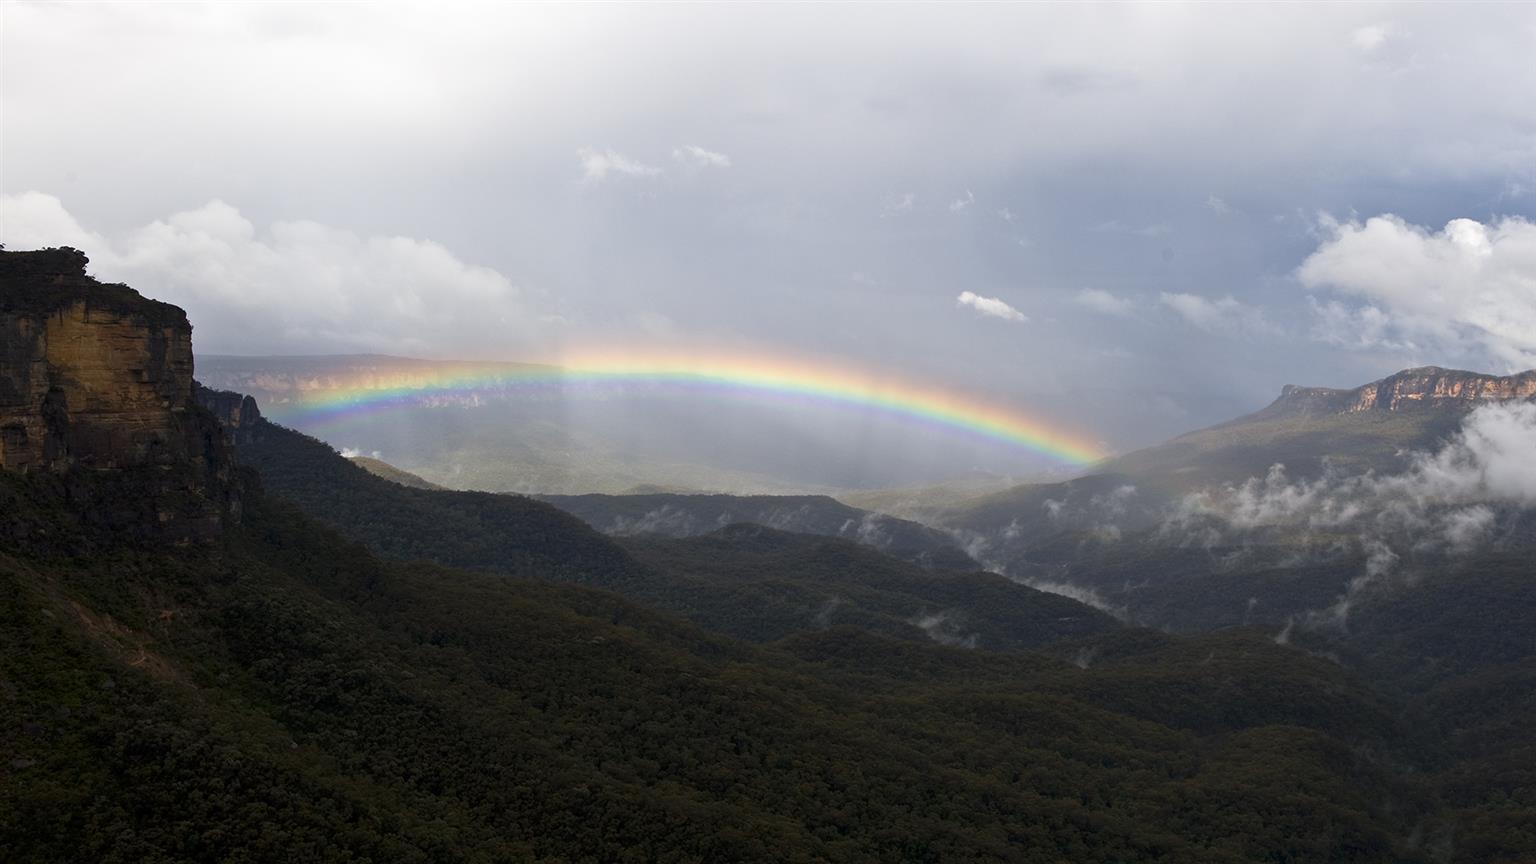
[96, 378]
[237, 413]
[1432, 385]
[1411, 389]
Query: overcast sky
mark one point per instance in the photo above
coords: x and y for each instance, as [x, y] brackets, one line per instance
[1137, 219]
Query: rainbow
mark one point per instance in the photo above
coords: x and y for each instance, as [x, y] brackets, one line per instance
[739, 374]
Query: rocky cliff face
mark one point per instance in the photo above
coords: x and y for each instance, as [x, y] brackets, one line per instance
[97, 378]
[1424, 387]
[236, 412]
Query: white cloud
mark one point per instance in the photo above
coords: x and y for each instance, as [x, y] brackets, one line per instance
[1081, 594]
[898, 203]
[1468, 283]
[596, 165]
[1465, 529]
[32, 220]
[945, 629]
[296, 286]
[1102, 301]
[1488, 461]
[991, 306]
[1218, 205]
[960, 204]
[1223, 315]
[1369, 38]
[1363, 327]
[698, 157]
[1445, 501]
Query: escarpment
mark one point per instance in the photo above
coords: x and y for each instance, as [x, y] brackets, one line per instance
[1410, 389]
[96, 380]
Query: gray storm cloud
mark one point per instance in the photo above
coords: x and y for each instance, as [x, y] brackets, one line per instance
[542, 172]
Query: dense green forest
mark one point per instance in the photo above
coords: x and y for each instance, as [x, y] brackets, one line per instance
[285, 695]
[1450, 660]
[757, 583]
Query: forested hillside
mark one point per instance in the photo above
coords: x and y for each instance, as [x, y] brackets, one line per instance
[283, 694]
[745, 581]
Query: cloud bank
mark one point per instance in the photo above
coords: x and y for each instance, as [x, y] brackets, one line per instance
[1408, 287]
[1491, 460]
[296, 286]
[1447, 502]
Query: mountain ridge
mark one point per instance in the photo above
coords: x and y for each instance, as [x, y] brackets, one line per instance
[694, 514]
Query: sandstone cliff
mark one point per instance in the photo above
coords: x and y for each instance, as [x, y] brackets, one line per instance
[1410, 389]
[95, 378]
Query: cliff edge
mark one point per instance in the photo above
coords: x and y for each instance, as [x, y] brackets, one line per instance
[96, 379]
[1410, 389]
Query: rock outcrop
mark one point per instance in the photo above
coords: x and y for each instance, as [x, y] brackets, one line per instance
[237, 413]
[95, 378]
[1410, 389]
